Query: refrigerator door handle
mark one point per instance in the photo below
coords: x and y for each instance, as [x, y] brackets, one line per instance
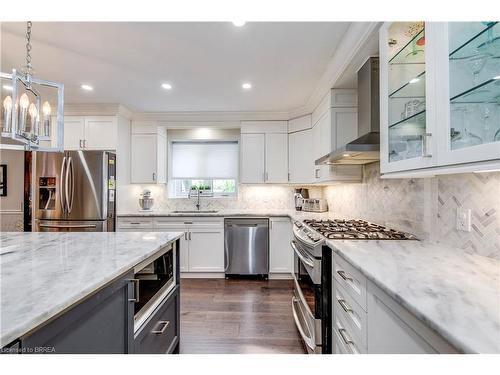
[72, 183]
[66, 185]
[61, 186]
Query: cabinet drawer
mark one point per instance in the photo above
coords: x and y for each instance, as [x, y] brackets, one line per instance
[135, 223]
[176, 222]
[350, 279]
[160, 333]
[351, 313]
[343, 339]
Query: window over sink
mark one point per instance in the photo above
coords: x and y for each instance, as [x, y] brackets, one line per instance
[210, 166]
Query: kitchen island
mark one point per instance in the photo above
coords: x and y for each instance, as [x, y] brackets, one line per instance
[68, 282]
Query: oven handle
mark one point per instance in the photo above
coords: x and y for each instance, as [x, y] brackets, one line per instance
[307, 261]
[308, 340]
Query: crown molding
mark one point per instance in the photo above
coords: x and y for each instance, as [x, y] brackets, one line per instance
[106, 109]
[209, 116]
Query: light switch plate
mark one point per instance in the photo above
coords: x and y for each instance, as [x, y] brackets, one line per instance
[464, 219]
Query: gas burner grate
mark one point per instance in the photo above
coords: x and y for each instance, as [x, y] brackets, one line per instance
[356, 229]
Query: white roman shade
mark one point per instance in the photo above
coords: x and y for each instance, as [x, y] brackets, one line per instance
[205, 160]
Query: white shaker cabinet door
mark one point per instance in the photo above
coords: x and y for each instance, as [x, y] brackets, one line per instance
[206, 250]
[252, 158]
[100, 133]
[183, 247]
[276, 158]
[300, 156]
[143, 161]
[280, 252]
[74, 132]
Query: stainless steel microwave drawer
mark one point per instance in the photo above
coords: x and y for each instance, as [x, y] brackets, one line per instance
[160, 333]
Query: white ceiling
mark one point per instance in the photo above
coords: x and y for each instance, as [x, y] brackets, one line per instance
[205, 62]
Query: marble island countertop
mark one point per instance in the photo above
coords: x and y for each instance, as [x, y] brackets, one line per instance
[42, 274]
[455, 293]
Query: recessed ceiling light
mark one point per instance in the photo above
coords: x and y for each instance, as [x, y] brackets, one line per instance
[7, 87]
[166, 86]
[87, 87]
[246, 86]
[414, 80]
[239, 23]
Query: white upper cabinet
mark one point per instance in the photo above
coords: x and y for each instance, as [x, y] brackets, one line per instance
[148, 158]
[74, 132]
[335, 123]
[252, 155]
[90, 132]
[439, 97]
[277, 158]
[264, 152]
[470, 100]
[300, 157]
[100, 133]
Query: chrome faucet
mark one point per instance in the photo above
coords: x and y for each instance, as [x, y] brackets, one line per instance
[198, 196]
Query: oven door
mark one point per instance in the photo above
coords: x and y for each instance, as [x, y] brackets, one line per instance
[306, 302]
[311, 264]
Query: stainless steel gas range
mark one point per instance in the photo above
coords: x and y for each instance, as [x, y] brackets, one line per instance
[311, 301]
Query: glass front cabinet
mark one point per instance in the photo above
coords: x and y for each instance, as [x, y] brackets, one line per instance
[440, 95]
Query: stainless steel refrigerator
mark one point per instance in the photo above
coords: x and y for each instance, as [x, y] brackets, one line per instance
[74, 191]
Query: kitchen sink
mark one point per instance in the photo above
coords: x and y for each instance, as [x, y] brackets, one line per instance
[195, 211]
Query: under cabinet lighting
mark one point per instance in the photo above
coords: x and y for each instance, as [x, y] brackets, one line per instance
[87, 87]
[414, 80]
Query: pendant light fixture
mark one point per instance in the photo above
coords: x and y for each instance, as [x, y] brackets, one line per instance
[28, 103]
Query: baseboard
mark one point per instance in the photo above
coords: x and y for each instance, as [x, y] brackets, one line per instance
[280, 276]
[202, 275]
[221, 275]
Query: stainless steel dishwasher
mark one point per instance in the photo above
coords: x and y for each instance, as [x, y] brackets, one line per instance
[246, 246]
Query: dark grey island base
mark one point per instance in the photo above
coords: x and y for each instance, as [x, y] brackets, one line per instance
[103, 323]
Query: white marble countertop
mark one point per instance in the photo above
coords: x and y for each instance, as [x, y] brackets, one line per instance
[42, 274]
[455, 293]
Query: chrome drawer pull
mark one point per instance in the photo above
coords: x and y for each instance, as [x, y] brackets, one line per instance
[344, 305]
[161, 331]
[344, 276]
[350, 344]
[136, 290]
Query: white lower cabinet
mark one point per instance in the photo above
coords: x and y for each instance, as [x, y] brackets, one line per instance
[367, 320]
[280, 252]
[202, 246]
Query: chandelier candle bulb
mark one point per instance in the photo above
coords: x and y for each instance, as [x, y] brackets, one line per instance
[33, 112]
[24, 103]
[47, 110]
[7, 114]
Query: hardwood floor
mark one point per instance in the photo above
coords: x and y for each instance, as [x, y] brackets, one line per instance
[237, 316]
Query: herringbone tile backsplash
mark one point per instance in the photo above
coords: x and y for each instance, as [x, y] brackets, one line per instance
[426, 207]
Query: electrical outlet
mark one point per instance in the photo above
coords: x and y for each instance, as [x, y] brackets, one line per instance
[464, 219]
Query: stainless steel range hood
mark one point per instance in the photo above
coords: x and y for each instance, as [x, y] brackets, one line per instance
[366, 148]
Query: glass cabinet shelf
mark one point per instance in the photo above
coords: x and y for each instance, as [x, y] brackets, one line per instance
[417, 120]
[412, 52]
[414, 88]
[486, 92]
[486, 41]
